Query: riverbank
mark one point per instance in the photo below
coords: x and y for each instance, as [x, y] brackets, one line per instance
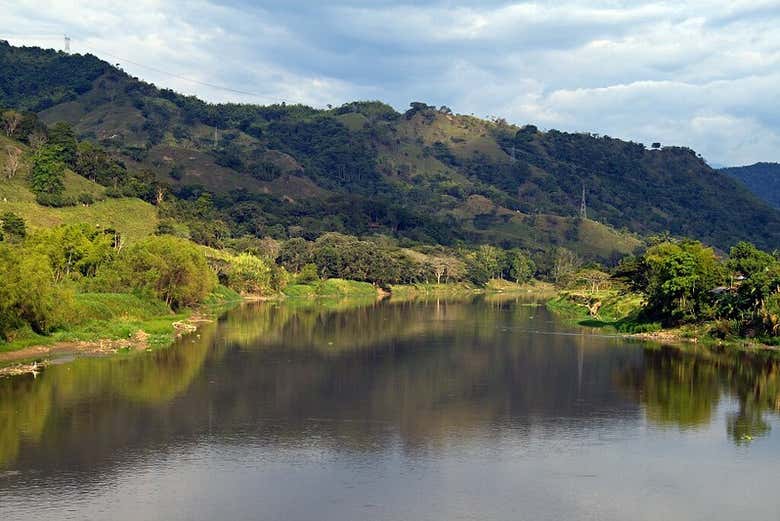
[619, 312]
[108, 324]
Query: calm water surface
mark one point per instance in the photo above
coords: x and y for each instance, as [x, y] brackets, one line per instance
[484, 410]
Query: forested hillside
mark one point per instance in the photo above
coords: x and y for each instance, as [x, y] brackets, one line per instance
[763, 179]
[426, 176]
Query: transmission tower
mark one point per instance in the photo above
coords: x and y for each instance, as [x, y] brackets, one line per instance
[67, 44]
[583, 206]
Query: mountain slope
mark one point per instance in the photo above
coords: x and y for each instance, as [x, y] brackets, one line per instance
[763, 179]
[131, 217]
[427, 175]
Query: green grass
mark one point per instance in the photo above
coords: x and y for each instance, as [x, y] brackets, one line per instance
[115, 316]
[133, 218]
[618, 311]
[331, 288]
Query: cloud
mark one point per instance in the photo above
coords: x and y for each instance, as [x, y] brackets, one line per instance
[700, 73]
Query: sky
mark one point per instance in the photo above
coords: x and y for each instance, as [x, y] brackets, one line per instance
[702, 74]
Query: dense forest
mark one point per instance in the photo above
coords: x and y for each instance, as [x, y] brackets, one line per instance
[763, 179]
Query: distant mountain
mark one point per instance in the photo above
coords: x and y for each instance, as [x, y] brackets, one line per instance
[427, 175]
[763, 179]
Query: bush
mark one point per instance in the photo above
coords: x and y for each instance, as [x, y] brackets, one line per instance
[249, 274]
[308, 274]
[12, 226]
[85, 198]
[28, 295]
[171, 269]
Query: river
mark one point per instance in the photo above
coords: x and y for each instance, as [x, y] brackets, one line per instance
[488, 409]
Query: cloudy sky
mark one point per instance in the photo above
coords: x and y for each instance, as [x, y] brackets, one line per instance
[704, 74]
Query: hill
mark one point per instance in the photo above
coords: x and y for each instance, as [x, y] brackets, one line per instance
[423, 176]
[763, 179]
[132, 217]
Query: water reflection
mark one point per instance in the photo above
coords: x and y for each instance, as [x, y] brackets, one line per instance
[363, 379]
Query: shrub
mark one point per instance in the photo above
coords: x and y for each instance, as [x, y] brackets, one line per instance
[249, 274]
[308, 274]
[28, 295]
[172, 269]
[85, 198]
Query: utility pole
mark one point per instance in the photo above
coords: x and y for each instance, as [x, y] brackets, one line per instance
[583, 206]
[67, 44]
[216, 137]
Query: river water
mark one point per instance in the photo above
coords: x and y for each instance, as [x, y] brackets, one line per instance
[491, 409]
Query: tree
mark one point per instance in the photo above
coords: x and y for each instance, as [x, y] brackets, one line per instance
[249, 274]
[63, 136]
[13, 226]
[294, 254]
[11, 121]
[565, 264]
[169, 268]
[680, 278]
[28, 295]
[48, 168]
[74, 251]
[13, 161]
[485, 263]
[520, 267]
[594, 279]
[37, 139]
[95, 164]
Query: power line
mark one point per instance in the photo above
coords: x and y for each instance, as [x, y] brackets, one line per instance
[171, 74]
[98, 52]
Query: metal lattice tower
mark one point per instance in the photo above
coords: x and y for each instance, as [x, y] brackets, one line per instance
[583, 206]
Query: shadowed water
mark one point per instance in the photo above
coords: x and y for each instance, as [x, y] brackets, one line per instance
[483, 410]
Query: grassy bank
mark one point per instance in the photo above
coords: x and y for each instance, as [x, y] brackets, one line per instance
[619, 312]
[461, 289]
[603, 309]
[331, 289]
[120, 321]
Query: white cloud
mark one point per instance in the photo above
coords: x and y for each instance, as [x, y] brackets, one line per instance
[700, 73]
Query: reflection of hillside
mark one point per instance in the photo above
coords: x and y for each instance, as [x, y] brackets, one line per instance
[29, 406]
[357, 327]
[683, 389]
[358, 379]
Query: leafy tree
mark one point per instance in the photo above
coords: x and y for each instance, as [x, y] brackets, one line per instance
[593, 279]
[294, 254]
[308, 274]
[249, 274]
[520, 267]
[96, 165]
[755, 302]
[63, 136]
[48, 167]
[74, 251]
[485, 263]
[28, 295]
[680, 278]
[169, 268]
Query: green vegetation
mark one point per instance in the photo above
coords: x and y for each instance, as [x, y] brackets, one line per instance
[763, 179]
[348, 201]
[427, 176]
[332, 289]
[685, 286]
